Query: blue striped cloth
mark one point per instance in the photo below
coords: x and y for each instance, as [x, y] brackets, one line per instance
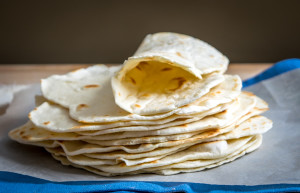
[12, 182]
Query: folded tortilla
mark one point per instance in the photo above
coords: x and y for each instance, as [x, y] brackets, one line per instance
[168, 71]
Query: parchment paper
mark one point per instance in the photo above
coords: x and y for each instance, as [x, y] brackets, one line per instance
[276, 161]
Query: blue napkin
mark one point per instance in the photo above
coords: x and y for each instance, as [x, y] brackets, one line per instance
[12, 182]
[278, 68]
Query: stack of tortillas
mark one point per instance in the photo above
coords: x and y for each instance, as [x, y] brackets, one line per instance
[168, 109]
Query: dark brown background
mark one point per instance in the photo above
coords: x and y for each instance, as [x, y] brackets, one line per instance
[91, 31]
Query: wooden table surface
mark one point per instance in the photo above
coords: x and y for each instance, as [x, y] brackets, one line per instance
[29, 73]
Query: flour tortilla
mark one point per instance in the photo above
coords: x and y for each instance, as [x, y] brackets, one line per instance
[202, 164]
[225, 92]
[35, 133]
[209, 150]
[255, 140]
[164, 73]
[90, 161]
[257, 125]
[252, 126]
[114, 133]
[81, 159]
[87, 93]
[199, 165]
[185, 51]
[216, 121]
[209, 147]
[121, 155]
[145, 93]
[205, 135]
[54, 118]
[30, 133]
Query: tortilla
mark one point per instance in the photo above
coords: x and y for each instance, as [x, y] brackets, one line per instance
[244, 127]
[166, 72]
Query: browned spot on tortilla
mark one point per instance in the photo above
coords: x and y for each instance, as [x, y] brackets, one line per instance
[146, 95]
[25, 137]
[179, 78]
[247, 114]
[123, 164]
[46, 123]
[91, 86]
[212, 56]
[81, 106]
[144, 63]
[29, 115]
[248, 93]
[119, 93]
[132, 80]
[137, 105]
[22, 132]
[246, 129]
[79, 126]
[181, 81]
[218, 92]
[264, 109]
[154, 162]
[35, 109]
[166, 69]
[181, 119]
[184, 125]
[236, 85]
[213, 132]
[75, 70]
[82, 121]
[145, 138]
[188, 105]
[207, 134]
[178, 54]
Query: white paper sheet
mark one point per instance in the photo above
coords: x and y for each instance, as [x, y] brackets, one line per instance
[276, 161]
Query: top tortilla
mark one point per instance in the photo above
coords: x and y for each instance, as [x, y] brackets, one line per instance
[167, 72]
